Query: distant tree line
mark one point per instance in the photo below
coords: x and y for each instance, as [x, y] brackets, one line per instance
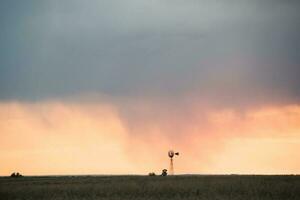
[163, 173]
[16, 175]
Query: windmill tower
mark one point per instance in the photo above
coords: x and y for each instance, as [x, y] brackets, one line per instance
[171, 154]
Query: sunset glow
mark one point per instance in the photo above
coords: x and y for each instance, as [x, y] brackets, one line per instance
[73, 138]
[109, 87]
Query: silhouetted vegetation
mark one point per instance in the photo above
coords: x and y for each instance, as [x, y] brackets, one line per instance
[16, 175]
[151, 188]
[164, 172]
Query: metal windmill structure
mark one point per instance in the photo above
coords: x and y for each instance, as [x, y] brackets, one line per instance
[171, 154]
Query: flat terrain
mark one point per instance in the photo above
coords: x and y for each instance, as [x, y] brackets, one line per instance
[144, 187]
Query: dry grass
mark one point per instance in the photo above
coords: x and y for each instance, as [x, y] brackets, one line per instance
[143, 187]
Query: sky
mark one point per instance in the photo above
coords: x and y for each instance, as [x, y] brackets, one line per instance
[109, 86]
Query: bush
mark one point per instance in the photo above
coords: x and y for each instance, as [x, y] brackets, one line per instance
[16, 175]
[164, 172]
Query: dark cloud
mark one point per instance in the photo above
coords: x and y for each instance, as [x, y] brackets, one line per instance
[210, 49]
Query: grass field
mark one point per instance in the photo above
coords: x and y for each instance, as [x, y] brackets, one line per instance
[143, 187]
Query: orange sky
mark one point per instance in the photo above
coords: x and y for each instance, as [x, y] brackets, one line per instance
[59, 137]
[108, 87]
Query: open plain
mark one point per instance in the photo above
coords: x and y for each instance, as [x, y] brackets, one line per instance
[223, 187]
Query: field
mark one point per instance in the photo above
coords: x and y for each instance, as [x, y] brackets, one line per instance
[221, 187]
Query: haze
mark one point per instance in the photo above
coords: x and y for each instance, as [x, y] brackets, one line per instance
[108, 87]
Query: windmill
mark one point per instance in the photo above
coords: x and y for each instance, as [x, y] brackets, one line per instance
[171, 154]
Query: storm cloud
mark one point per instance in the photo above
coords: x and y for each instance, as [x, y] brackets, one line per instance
[225, 51]
[128, 80]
